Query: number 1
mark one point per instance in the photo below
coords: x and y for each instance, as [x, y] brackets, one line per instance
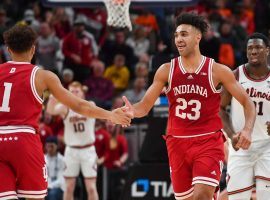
[5, 104]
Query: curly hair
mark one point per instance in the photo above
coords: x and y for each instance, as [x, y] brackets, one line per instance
[192, 19]
[20, 38]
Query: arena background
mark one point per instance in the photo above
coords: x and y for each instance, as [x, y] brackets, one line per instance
[145, 175]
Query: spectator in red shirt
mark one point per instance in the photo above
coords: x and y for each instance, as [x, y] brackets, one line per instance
[102, 138]
[100, 89]
[79, 49]
[44, 129]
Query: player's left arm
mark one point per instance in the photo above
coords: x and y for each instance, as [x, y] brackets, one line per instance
[223, 75]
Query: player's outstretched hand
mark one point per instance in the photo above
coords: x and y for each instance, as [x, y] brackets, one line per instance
[120, 117]
[128, 108]
[244, 140]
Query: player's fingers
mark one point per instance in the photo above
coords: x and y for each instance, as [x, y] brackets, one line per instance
[246, 144]
[127, 103]
[239, 142]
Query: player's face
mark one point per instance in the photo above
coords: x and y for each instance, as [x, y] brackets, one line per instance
[257, 52]
[77, 91]
[51, 148]
[186, 38]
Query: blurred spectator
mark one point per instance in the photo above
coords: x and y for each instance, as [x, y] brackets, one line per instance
[114, 160]
[229, 45]
[147, 20]
[102, 138]
[117, 45]
[139, 41]
[44, 128]
[55, 166]
[5, 23]
[61, 23]
[102, 146]
[262, 11]
[100, 89]
[223, 10]
[118, 73]
[30, 19]
[79, 49]
[67, 77]
[162, 55]
[210, 45]
[47, 46]
[118, 149]
[141, 70]
[136, 93]
[246, 15]
[117, 102]
[96, 22]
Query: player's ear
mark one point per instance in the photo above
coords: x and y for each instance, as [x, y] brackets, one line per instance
[33, 49]
[9, 51]
[267, 51]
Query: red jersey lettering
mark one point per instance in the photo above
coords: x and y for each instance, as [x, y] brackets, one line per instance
[193, 100]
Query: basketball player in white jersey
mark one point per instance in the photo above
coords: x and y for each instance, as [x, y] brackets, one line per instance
[79, 137]
[247, 168]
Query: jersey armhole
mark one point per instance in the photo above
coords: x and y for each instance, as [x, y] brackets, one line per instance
[236, 74]
[33, 86]
[210, 77]
[170, 76]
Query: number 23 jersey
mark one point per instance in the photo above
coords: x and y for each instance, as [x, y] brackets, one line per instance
[78, 129]
[193, 100]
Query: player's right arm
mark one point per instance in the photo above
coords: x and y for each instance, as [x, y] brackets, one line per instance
[46, 80]
[223, 75]
[142, 108]
[226, 98]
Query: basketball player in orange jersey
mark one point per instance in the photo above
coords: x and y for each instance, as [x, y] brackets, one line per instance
[22, 167]
[251, 165]
[194, 138]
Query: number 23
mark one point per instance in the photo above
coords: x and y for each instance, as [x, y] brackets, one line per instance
[196, 106]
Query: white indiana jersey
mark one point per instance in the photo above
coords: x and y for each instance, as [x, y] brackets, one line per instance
[78, 129]
[259, 92]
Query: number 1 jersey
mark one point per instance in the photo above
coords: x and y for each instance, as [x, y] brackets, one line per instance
[193, 100]
[20, 104]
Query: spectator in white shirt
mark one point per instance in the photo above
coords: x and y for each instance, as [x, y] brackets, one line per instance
[55, 166]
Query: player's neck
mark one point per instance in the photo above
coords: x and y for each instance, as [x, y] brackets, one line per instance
[192, 61]
[21, 57]
[257, 72]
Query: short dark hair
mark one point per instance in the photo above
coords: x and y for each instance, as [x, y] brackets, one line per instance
[20, 38]
[257, 35]
[192, 19]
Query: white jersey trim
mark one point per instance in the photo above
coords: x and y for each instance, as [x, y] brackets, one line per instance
[170, 76]
[210, 77]
[19, 63]
[17, 129]
[33, 86]
[32, 192]
[9, 197]
[185, 193]
[197, 70]
[191, 136]
[7, 193]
